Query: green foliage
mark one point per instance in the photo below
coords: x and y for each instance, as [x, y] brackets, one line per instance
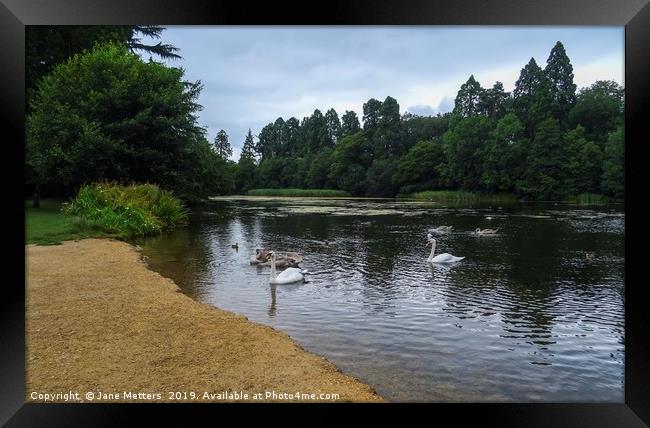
[127, 211]
[469, 97]
[546, 172]
[248, 149]
[318, 174]
[563, 91]
[585, 162]
[48, 225]
[371, 114]
[388, 137]
[108, 115]
[495, 102]
[532, 97]
[46, 46]
[599, 110]
[504, 155]
[421, 168]
[317, 193]
[379, 178]
[350, 161]
[422, 128]
[333, 126]
[221, 145]
[104, 114]
[315, 133]
[613, 181]
[300, 167]
[245, 175]
[349, 124]
[275, 172]
[527, 143]
[464, 145]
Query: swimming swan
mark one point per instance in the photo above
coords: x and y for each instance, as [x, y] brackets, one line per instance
[442, 229]
[288, 276]
[260, 256]
[486, 231]
[440, 258]
[283, 260]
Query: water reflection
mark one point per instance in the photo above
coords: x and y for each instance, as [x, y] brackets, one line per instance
[527, 316]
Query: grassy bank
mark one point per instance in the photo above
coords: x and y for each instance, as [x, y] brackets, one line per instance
[459, 196]
[48, 225]
[324, 193]
[590, 199]
[104, 210]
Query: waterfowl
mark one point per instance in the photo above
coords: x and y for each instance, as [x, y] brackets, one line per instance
[479, 231]
[441, 229]
[288, 276]
[235, 246]
[260, 256]
[282, 260]
[440, 258]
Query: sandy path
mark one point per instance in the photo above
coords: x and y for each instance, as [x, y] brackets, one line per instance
[99, 320]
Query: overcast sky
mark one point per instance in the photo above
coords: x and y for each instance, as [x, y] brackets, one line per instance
[253, 75]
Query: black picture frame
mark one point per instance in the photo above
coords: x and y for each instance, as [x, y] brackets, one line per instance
[16, 14]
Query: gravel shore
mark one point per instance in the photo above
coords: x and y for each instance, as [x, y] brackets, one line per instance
[99, 321]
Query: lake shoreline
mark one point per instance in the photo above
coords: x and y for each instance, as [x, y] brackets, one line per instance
[99, 320]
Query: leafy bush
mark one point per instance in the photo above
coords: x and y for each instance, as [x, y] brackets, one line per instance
[127, 211]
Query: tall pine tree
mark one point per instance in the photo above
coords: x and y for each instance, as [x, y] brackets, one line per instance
[221, 145]
[333, 126]
[248, 149]
[371, 113]
[468, 99]
[349, 124]
[532, 97]
[388, 138]
[494, 101]
[563, 91]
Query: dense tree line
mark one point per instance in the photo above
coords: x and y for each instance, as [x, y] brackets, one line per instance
[545, 141]
[99, 112]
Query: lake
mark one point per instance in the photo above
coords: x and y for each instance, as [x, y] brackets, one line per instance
[534, 313]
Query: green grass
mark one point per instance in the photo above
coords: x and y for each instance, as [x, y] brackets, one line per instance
[48, 225]
[588, 199]
[459, 196]
[322, 193]
[127, 211]
[104, 210]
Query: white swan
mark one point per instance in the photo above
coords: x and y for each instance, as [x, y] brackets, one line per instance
[440, 258]
[441, 229]
[486, 231]
[287, 276]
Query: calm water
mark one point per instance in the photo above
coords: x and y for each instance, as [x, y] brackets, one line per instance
[527, 316]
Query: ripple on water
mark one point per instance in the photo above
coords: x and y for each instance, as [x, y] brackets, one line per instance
[525, 317]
